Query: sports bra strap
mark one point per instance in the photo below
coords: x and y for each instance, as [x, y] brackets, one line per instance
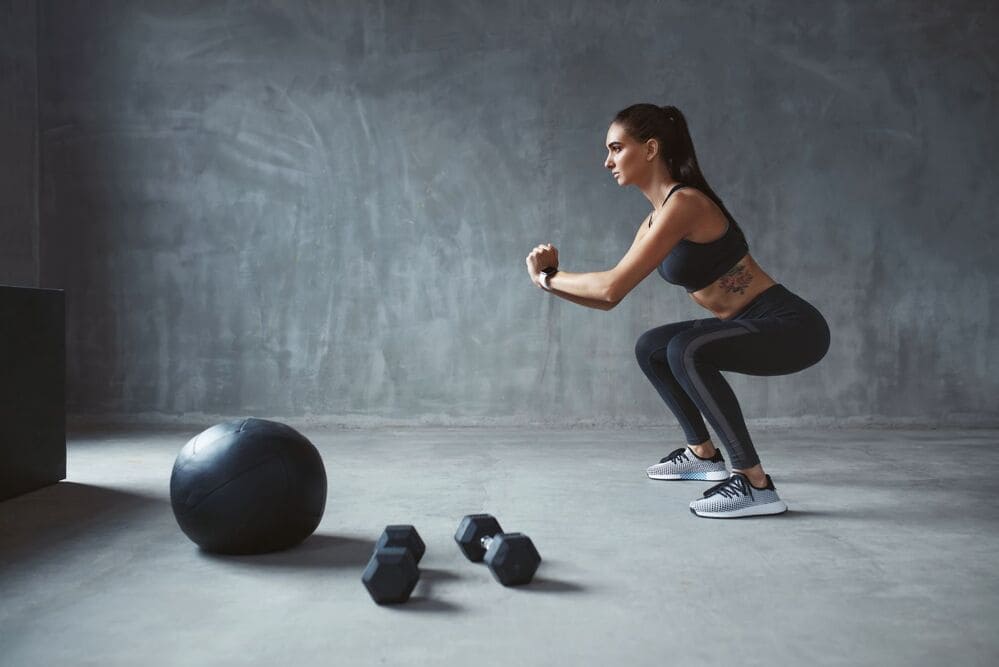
[679, 186]
[676, 187]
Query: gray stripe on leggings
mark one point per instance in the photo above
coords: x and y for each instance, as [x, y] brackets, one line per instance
[688, 365]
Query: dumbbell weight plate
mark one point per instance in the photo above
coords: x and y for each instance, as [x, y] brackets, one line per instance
[391, 575]
[471, 530]
[402, 535]
[512, 558]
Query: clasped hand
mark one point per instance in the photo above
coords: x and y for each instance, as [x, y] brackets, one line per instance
[541, 258]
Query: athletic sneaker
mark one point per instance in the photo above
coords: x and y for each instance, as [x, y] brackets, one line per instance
[685, 464]
[736, 497]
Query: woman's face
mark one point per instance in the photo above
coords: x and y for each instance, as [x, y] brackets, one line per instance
[626, 158]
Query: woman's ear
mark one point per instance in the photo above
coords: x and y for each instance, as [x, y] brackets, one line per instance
[651, 149]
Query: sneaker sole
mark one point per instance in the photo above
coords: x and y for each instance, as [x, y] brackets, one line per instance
[715, 476]
[769, 509]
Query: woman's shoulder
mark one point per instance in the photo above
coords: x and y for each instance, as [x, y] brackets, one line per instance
[692, 199]
[693, 196]
[686, 197]
[690, 194]
[683, 202]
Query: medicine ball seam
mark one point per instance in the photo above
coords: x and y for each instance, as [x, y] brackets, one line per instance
[198, 441]
[236, 477]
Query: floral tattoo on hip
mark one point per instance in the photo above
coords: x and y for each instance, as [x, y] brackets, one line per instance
[736, 280]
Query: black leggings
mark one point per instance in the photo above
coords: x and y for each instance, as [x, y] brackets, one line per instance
[777, 333]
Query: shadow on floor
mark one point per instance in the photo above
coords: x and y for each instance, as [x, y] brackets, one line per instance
[318, 551]
[549, 585]
[423, 599]
[332, 551]
[59, 515]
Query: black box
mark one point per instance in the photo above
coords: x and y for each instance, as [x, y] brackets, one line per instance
[32, 389]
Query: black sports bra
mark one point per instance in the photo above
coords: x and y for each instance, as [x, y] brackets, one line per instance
[696, 265]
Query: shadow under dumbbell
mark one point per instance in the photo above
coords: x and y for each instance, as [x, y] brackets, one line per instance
[318, 551]
[546, 585]
[430, 576]
[419, 603]
[423, 600]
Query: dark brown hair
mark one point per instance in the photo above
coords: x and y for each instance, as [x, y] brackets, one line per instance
[668, 126]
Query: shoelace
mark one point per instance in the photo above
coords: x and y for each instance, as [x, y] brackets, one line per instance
[674, 456]
[736, 485]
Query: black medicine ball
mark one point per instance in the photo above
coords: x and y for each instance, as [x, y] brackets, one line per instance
[248, 486]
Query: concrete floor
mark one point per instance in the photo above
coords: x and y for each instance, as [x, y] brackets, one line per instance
[888, 557]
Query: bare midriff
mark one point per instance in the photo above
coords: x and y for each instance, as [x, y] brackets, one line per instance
[728, 295]
[733, 291]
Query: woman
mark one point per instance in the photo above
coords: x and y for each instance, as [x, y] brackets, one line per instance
[759, 326]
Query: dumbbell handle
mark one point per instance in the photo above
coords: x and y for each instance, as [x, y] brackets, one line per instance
[488, 539]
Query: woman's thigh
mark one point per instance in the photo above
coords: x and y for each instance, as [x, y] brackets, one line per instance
[766, 346]
[657, 339]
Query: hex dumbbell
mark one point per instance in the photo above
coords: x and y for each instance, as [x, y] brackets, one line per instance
[511, 557]
[392, 572]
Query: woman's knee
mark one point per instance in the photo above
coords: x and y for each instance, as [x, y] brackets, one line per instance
[645, 347]
[679, 352]
[653, 341]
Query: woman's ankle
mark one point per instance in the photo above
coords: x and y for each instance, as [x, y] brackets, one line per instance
[756, 475]
[705, 450]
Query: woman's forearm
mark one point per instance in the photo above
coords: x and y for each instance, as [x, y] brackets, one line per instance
[586, 289]
[589, 303]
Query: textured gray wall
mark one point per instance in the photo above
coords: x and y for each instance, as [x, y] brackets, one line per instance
[322, 209]
[18, 144]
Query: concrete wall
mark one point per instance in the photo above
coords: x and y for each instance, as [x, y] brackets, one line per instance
[323, 209]
[18, 143]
